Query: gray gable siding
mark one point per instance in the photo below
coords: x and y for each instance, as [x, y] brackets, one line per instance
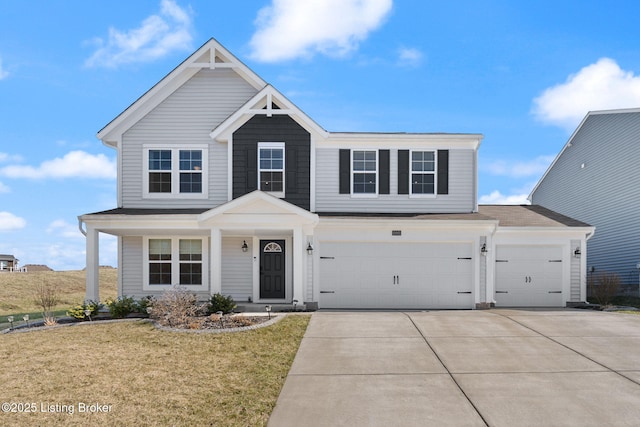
[278, 128]
[461, 197]
[605, 192]
[185, 117]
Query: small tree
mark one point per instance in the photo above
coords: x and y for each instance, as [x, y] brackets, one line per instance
[46, 297]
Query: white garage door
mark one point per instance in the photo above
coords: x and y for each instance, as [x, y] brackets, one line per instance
[528, 276]
[396, 275]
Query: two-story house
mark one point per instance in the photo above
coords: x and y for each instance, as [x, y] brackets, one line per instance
[225, 186]
[595, 178]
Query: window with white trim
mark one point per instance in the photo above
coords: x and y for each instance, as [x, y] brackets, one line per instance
[271, 167]
[175, 172]
[423, 172]
[364, 170]
[175, 261]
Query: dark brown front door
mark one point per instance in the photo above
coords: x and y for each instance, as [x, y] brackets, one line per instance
[272, 269]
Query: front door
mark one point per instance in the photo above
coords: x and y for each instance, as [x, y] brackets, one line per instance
[272, 269]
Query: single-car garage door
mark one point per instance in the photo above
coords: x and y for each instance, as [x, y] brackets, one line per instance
[396, 275]
[528, 276]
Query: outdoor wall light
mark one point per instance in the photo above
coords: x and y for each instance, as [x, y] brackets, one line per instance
[245, 248]
[577, 252]
[483, 249]
[309, 249]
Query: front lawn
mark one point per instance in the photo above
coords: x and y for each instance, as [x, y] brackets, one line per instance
[145, 376]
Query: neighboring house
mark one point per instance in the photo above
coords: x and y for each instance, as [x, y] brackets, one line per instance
[225, 186]
[8, 263]
[596, 179]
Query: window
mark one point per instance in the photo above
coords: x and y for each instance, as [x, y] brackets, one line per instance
[173, 172]
[364, 171]
[423, 172]
[271, 167]
[175, 261]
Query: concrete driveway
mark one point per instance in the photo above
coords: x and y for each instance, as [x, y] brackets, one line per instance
[465, 368]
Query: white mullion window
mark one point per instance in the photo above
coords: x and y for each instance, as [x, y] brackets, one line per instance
[175, 261]
[364, 172]
[171, 172]
[271, 167]
[423, 173]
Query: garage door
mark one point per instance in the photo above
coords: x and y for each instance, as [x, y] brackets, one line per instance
[396, 275]
[528, 276]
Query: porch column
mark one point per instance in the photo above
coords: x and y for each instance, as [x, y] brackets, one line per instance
[216, 260]
[92, 265]
[298, 269]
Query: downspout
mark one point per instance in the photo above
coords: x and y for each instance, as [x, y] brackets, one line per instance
[80, 223]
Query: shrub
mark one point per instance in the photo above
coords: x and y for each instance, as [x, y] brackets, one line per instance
[175, 307]
[46, 297]
[78, 311]
[603, 287]
[122, 306]
[222, 303]
[143, 304]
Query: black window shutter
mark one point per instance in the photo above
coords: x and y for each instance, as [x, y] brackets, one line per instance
[345, 171]
[291, 170]
[403, 171]
[383, 169]
[252, 169]
[443, 171]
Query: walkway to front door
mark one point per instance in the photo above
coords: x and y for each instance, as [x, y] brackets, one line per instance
[272, 269]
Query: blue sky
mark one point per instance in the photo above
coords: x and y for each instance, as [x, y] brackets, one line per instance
[524, 74]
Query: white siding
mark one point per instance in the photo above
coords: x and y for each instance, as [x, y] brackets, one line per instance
[309, 280]
[186, 117]
[461, 197]
[604, 193]
[574, 294]
[132, 267]
[237, 269]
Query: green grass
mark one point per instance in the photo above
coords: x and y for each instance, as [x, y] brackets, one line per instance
[148, 376]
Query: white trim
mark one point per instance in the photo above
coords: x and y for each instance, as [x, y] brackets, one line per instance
[376, 171]
[277, 146]
[175, 171]
[175, 263]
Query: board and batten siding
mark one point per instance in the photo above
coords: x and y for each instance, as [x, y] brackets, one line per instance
[186, 117]
[576, 279]
[237, 269]
[596, 180]
[461, 197]
[131, 267]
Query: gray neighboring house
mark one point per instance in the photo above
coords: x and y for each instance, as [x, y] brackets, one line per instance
[596, 179]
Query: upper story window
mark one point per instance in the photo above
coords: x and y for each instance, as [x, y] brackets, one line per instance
[423, 172]
[175, 172]
[364, 170]
[271, 167]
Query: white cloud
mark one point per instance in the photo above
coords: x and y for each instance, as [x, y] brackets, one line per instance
[600, 86]
[289, 29]
[157, 36]
[75, 164]
[409, 57]
[11, 222]
[3, 74]
[517, 169]
[497, 198]
[62, 228]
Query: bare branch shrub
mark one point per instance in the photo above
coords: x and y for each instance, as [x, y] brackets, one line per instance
[46, 297]
[603, 287]
[175, 308]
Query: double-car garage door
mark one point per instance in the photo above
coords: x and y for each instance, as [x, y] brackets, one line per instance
[389, 275]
